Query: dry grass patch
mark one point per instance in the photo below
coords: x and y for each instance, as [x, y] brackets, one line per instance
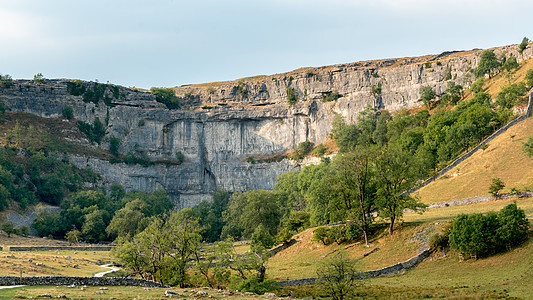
[53, 263]
[301, 259]
[503, 158]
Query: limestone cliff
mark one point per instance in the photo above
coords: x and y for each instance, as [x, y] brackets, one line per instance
[220, 125]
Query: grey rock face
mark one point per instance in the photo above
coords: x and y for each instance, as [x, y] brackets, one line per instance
[216, 142]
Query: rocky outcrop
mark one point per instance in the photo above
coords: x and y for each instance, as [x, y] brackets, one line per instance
[219, 126]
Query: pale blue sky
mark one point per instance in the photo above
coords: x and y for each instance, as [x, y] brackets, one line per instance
[172, 42]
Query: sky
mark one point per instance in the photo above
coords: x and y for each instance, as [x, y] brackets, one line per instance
[166, 43]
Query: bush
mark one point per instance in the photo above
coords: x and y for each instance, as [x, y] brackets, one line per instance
[6, 81]
[292, 95]
[330, 96]
[39, 78]
[523, 45]
[68, 112]
[94, 132]
[76, 88]
[302, 150]
[166, 96]
[141, 123]
[180, 157]
[252, 284]
[510, 63]
[529, 78]
[320, 235]
[496, 187]
[9, 228]
[480, 235]
[114, 144]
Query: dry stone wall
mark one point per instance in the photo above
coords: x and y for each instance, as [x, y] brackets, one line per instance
[74, 248]
[77, 281]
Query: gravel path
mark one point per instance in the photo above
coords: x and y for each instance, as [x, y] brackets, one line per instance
[111, 269]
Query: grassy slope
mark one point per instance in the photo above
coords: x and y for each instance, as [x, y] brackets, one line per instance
[503, 158]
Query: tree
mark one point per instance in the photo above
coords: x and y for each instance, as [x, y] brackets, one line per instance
[496, 186]
[9, 228]
[73, 236]
[523, 45]
[397, 173]
[514, 226]
[162, 250]
[487, 64]
[338, 276]
[292, 95]
[114, 144]
[427, 94]
[93, 228]
[354, 186]
[453, 93]
[510, 64]
[39, 78]
[166, 96]
[68, 112]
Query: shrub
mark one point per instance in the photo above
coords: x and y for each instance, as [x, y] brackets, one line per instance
[319, 150]
[496, 187]
[9, 228]
[487, 64]
[6, 81]
[480, 235]
[68, 112]
[23, 230]
[141, 123]
[510, 63]
[76, 88]
[240, 89]
[94, 132]
[302, 150]
[166, 96]
[337, 276]
[330, 96]
[477, 86]
[529, 78]
[39, 78]
[510, 94]
[114, 144]
[523, 45]
[320, 235]
[180, 157]
[292, 96]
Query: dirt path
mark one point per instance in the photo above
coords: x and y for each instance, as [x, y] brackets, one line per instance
[111, 269]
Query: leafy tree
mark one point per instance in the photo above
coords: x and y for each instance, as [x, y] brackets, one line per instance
[128, 221]
[396, 172]
[510, 94]
[4, 197]
[180, 157]
[76, 88]
[345, 135]
[496, 186]
[337, 276]
[162, 250]
[302, 150]
[427, 95]
[114, 144]
[514, 226]
[523, 45]
[477, 86]
[68, 112]
[510, 64]
[8, 228]
[529, 79]
[50, 189]
[261, 238]
[47, 222]
[453, 93]
[93, 228]
[73, 236]
[209, 215]
[487, 64]
[6, 81]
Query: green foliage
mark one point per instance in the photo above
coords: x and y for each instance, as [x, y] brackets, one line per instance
[479, 235]
[496, 186]
[448, 74]
[162, 250]
[209, 214]
[375, 90]
[510, 94]
[487, 64]
[47, 223]
[68, 112]
[114, 144]
[94, 132]
[261, 239]
[76, 88]
[319, 150]
[337, 276]
[427, 95]
[240, 89]
[6, 81]
[527, 147]
[477, 86]
[39, 78]
[510, 64]
[523, 45]
[166, 96]
[302, 150]
[453, 93]
[180, 157]
[248, 210]
[141, 123]
[97, 93]
[9, 228]
[292, 95]
[529, 79]
[330, 96]
[137, 158]
[73, 236]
